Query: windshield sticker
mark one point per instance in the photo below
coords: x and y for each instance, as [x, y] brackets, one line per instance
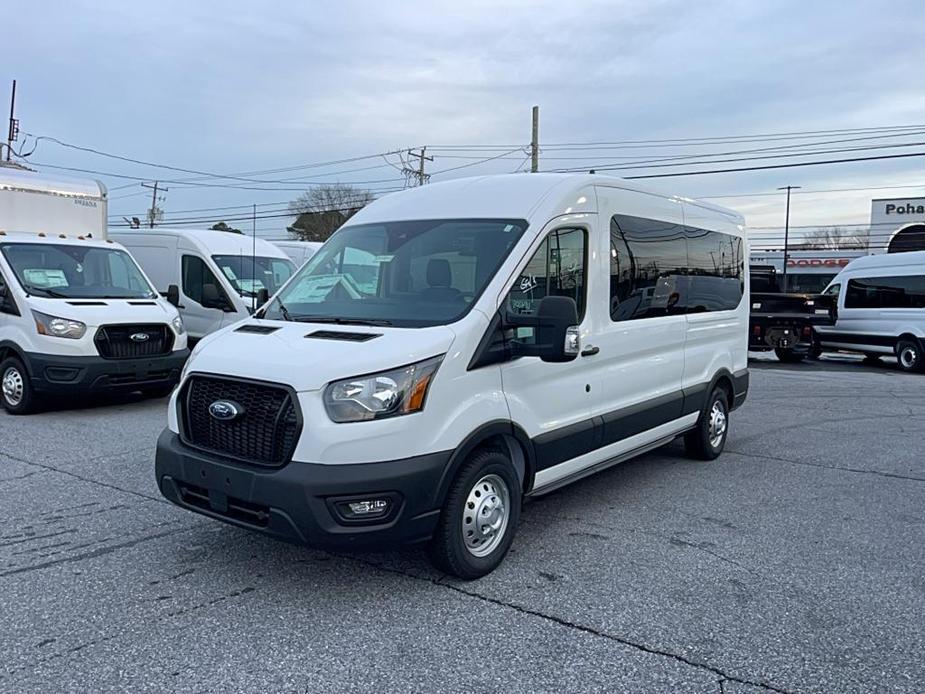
[229, 273]
[247, 285]
[44, 277]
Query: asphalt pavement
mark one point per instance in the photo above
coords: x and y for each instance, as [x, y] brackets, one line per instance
[793, 563]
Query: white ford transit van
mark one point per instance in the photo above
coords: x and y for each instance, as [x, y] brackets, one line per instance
[457, 347]
[77, 316]
[220, 274]
[881, 309]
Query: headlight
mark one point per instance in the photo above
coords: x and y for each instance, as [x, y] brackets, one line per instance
[58, 327]
[177, 324]
[385, 394]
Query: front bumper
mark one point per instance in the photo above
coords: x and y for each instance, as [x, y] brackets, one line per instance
[62, 374]
[295, 502]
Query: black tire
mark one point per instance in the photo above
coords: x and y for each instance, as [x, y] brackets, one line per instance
[16, 393]
[909, 355]
[788, 356]
[697, 442]
[157, 391]
[449, 549]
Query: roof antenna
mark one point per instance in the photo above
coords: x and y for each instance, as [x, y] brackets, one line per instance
[254, 261]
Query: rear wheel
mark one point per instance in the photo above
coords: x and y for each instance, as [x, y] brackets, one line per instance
[16, 391]
[479, 519]
[788, 356]
[707, 440]
[909, 354]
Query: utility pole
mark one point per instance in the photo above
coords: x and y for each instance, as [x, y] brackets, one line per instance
[535, 142]
[418, 173]
[13, 131]
[787, 231]
[152, 214]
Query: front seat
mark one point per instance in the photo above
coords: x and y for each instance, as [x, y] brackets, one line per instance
[439, 280]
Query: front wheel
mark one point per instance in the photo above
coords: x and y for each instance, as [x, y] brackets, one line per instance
[479, 519]
[16, 391]
[707, 440]
[788, 356]
[909, 355]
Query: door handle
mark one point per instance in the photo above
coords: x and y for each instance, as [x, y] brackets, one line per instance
[590, 351]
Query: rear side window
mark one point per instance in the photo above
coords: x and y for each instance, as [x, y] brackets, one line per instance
[716, 266]
[905, 291]
[558, 268]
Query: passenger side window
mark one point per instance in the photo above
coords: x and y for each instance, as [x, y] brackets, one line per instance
[648, 268]
[905, 291]
[834, 290]
[660, 269]
[558, 268]
[196, 274]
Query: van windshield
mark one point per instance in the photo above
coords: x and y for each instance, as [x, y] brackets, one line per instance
[70, 271]
[411, 273]
[249, 274]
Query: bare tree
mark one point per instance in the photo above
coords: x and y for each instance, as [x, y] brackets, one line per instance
[832, 238]
[320, 211]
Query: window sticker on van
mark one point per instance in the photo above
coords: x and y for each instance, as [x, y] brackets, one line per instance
[229, 273]
[44, 277]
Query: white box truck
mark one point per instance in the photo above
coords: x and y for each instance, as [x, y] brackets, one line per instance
[32, 201]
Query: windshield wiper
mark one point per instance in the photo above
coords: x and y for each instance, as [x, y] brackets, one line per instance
[343, 321]
[283, 311]
[48, 292]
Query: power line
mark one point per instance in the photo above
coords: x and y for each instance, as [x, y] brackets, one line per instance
[778, 166]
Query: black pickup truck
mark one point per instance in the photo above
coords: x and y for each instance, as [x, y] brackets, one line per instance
[784, 322]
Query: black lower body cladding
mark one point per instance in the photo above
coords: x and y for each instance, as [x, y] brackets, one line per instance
[79, 375]
[296, 502]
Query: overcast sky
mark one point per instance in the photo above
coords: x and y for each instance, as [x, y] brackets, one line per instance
[233, 87]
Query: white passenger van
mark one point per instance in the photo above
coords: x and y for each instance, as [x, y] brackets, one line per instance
[298, 251]
[220, 274]
[881, 309]
[78, 316]
[454, 348]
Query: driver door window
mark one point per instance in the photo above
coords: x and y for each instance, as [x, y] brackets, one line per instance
[7, 305]
[196, 275]
[558, 268]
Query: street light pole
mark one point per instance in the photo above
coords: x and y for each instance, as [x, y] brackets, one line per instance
[787, 231]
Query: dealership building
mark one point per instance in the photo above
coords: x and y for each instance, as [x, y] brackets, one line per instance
[897, 225]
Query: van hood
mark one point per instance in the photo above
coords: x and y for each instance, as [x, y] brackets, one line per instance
[97, 312]
[307, 356]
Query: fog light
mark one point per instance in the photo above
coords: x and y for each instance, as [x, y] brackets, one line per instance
[364, 508]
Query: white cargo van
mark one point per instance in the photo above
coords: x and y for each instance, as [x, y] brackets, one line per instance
[298, 251]
[881, 309]
[221, 275]
[457, 347]
[31, 201]
[78, 316]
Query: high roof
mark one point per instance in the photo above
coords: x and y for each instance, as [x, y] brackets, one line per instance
[507, 196]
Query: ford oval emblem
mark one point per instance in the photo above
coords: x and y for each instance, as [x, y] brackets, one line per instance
[225, 410]
[139, 337]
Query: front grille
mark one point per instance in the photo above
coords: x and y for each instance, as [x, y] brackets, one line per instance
[264, 433]
[126, 341]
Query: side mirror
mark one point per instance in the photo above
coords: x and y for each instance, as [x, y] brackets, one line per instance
[263, 296]
[173, 295]
[211, 298]
[555, 330]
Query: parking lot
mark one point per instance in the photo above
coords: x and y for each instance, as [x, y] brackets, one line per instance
[794, 563]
